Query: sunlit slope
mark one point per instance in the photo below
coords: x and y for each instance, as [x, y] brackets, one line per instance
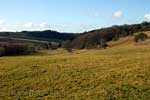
[129, 41]
[120, 73]
[124, 41]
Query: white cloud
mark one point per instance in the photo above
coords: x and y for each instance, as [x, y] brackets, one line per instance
[118, 14]
[18, 26]
[147, 16]
[29, 25]
[44, 25]
[36, 26]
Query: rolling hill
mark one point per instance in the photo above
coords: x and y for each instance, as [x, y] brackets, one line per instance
[47, 35]
[92, 39]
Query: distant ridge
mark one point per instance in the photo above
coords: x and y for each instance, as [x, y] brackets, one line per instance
[47, 35]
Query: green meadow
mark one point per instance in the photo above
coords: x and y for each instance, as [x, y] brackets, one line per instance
[119, 73]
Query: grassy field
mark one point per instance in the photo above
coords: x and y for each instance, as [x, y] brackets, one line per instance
[119, 73]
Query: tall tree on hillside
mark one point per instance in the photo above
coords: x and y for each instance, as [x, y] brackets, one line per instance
[67, 45]
[102, 43]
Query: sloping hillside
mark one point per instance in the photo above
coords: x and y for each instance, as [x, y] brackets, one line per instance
[129, 40]
[92, 39]
[124, 41]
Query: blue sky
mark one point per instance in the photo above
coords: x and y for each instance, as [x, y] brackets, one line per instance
[70, 15]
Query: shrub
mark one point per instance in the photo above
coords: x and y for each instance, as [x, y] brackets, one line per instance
[115, 39]
[16, 49]
[2, 51]
[141, 37]
[67, 46]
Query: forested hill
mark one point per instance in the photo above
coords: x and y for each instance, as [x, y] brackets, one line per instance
[47, 35]
[93, 39]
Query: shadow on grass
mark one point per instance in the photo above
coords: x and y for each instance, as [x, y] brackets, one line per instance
[31, 54]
